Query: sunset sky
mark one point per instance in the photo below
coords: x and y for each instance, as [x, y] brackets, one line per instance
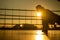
[30, 4]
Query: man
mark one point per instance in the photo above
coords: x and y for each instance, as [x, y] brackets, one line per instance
[39, 8]
[48, 17]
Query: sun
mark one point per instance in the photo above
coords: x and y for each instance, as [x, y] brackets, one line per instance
[39, 14]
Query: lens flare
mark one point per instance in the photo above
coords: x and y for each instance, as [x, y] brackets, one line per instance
[39, 14]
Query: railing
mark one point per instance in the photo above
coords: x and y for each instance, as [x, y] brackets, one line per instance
[20, 16]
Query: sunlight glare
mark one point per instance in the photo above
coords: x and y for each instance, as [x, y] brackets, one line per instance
[39, 35]
[39, 32]
[39, 14]
[21, 25]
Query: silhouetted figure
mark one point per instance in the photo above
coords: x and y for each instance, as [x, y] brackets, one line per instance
[48, 17]
[44, 17]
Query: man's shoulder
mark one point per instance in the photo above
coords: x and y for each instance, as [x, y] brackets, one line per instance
[51, 12]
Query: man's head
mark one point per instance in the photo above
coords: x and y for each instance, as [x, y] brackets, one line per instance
[39, 8]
